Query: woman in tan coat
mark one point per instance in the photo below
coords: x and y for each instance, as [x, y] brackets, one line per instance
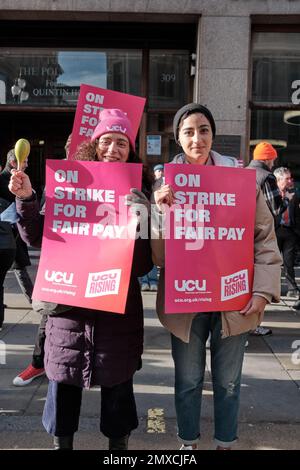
[194, 129]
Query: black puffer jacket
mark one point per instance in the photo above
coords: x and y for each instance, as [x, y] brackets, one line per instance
[88, 347]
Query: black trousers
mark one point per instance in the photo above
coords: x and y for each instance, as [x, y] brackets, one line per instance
[6, 259]
[39, 346]
[62, 409]
[24, 282]
[287, 242]
[22, 260]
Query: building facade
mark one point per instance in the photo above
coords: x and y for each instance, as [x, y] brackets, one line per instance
[241, 58]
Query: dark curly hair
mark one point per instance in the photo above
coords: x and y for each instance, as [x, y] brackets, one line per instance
[86, 151]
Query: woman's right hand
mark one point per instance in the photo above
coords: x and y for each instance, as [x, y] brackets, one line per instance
[164, 195]
[20, 184]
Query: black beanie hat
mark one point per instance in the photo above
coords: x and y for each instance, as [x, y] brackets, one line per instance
[192, 108]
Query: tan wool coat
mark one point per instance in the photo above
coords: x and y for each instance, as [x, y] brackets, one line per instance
[267, 269]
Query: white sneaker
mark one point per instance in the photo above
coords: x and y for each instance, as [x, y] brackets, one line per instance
[153, 287]
[145, 286]
[189, 447]
[261, 331]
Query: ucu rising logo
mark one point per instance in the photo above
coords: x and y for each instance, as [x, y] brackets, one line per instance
[234, 285]
[117, 128]
[190, 285]
[103, 283]
[59, 277]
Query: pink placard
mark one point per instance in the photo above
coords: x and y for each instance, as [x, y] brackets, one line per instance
[89, 234]
[209, 238]
[91, 101]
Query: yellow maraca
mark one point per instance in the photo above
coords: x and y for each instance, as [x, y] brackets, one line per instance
[22, 150]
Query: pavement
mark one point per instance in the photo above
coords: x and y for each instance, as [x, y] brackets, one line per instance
[270, 395]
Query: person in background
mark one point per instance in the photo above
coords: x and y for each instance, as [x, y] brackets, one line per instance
[149, 282]
[87, 347]
[36, 368]
[194, 129]
[22, 259]
[287, 226]
[158, 171]
[264, 156]
[7, 254]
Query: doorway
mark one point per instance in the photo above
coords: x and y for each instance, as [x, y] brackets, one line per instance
[47, 134]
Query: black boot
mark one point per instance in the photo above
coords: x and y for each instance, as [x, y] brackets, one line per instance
[118, 443]
[63, 442]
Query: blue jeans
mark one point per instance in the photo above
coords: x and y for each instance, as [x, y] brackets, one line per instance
[150, 278]
[226, 366]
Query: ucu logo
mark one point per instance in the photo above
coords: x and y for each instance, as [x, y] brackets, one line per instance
[59, 277]
[190, 285]
[240, 277]
[104, 277]
[116, 128]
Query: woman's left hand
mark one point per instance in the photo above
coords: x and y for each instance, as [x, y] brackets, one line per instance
[255, 305]
[137, 198]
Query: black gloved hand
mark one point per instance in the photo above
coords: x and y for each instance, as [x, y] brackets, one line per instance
[136, 199]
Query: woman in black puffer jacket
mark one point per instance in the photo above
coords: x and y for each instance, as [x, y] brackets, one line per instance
[86, 347]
